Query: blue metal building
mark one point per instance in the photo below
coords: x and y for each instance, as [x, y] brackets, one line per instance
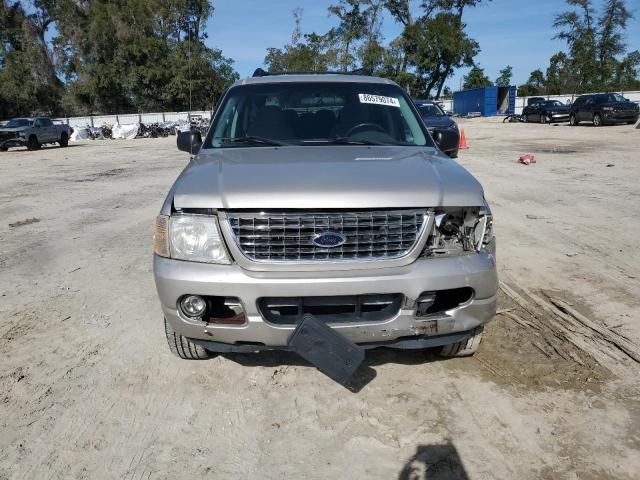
[488, 101]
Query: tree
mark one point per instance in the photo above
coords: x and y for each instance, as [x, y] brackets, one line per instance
[306, 53]
[476, 78]
[27, 75]
[108, 57]
[596, 47]
[535, 84]
[504, 79]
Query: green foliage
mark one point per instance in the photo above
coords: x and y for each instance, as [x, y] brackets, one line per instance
[421, 59]
[504, 79]
[534, 86]
[314, 54]
[113, 56]
[596, 54]
[475, 78]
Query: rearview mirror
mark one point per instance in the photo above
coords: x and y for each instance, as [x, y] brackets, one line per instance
[189, 141]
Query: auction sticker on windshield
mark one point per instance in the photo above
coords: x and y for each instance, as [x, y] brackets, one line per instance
[378, 100]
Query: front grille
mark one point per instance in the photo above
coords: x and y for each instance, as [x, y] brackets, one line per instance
[334, 309]
[367, 235]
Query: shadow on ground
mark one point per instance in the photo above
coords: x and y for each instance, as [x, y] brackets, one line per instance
[363, 376]
[434, 462]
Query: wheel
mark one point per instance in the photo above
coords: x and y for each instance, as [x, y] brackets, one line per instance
[543, 118]
[597, 120]
[572, 120]
[452, 153]
[32, 143]
[64, 140]
[465, 348]
[3, 149]
[525, 118]
[183, 347]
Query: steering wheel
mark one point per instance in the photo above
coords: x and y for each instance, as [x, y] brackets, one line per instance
[360, 126]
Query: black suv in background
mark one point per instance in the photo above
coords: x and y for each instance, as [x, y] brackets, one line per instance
[440, 125]
[603, 108]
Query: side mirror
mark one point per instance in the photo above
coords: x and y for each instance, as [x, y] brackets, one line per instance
[449, 113]
[446, 140]
[189, 141]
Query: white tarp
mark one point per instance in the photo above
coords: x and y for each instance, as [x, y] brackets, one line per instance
[79, 133]
[126, 132]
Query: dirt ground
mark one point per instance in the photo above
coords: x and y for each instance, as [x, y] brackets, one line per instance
[89, 389]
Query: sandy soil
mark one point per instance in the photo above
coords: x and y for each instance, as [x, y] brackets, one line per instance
[88, 388]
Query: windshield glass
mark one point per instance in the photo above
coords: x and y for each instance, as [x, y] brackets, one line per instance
[553, 103]
[317, 113]
[19, 122]
[430, 110]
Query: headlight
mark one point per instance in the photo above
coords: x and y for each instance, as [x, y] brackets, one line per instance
[194, 238]
[608, 109]
[460, 231]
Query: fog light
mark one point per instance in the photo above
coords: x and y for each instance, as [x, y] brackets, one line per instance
[193, 305]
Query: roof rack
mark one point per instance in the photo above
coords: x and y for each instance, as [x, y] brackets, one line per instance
[259, 72]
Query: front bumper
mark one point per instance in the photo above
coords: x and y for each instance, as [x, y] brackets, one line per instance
[620, 117]
[560, 117]
[12, 142]
[478, 271]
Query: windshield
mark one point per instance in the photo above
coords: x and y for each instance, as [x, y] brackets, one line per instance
[430, 110]
[19, 122]
[554, 103]
[317, 113]
[611, 97]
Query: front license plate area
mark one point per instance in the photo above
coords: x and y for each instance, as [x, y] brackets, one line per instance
[334, 355]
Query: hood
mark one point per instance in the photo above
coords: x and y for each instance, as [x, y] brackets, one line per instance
[621, 105]
[324, 177]
[443, 121]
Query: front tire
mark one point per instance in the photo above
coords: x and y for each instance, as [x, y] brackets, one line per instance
[466, 348]
[525, 118]
[572, 120]
[32, 143]
[597, 120]
[543, 118]
[453, 153]
[64, 140]
[183, 347]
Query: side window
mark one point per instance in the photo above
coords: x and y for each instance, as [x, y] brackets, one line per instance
[45, 122]
[590, 101]
[37, 123]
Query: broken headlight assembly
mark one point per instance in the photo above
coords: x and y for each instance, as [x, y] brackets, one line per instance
[460, 231]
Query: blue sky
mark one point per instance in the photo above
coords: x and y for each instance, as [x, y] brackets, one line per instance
[510, 32]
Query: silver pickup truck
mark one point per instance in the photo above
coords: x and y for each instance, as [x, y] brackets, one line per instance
[323, 195]
[33, 133]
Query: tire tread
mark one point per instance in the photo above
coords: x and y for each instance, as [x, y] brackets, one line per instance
[183, 347]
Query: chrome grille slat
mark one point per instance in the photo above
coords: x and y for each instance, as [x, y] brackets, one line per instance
[287, 236]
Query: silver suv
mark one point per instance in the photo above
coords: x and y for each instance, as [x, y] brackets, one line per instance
[322, 194]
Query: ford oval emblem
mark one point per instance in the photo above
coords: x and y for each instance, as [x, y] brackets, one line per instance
[328, 239]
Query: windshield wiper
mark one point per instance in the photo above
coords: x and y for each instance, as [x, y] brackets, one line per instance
[253, 139]
[351, 141]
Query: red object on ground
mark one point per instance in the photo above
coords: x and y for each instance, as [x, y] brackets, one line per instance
[527, 158]
[463, 141]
